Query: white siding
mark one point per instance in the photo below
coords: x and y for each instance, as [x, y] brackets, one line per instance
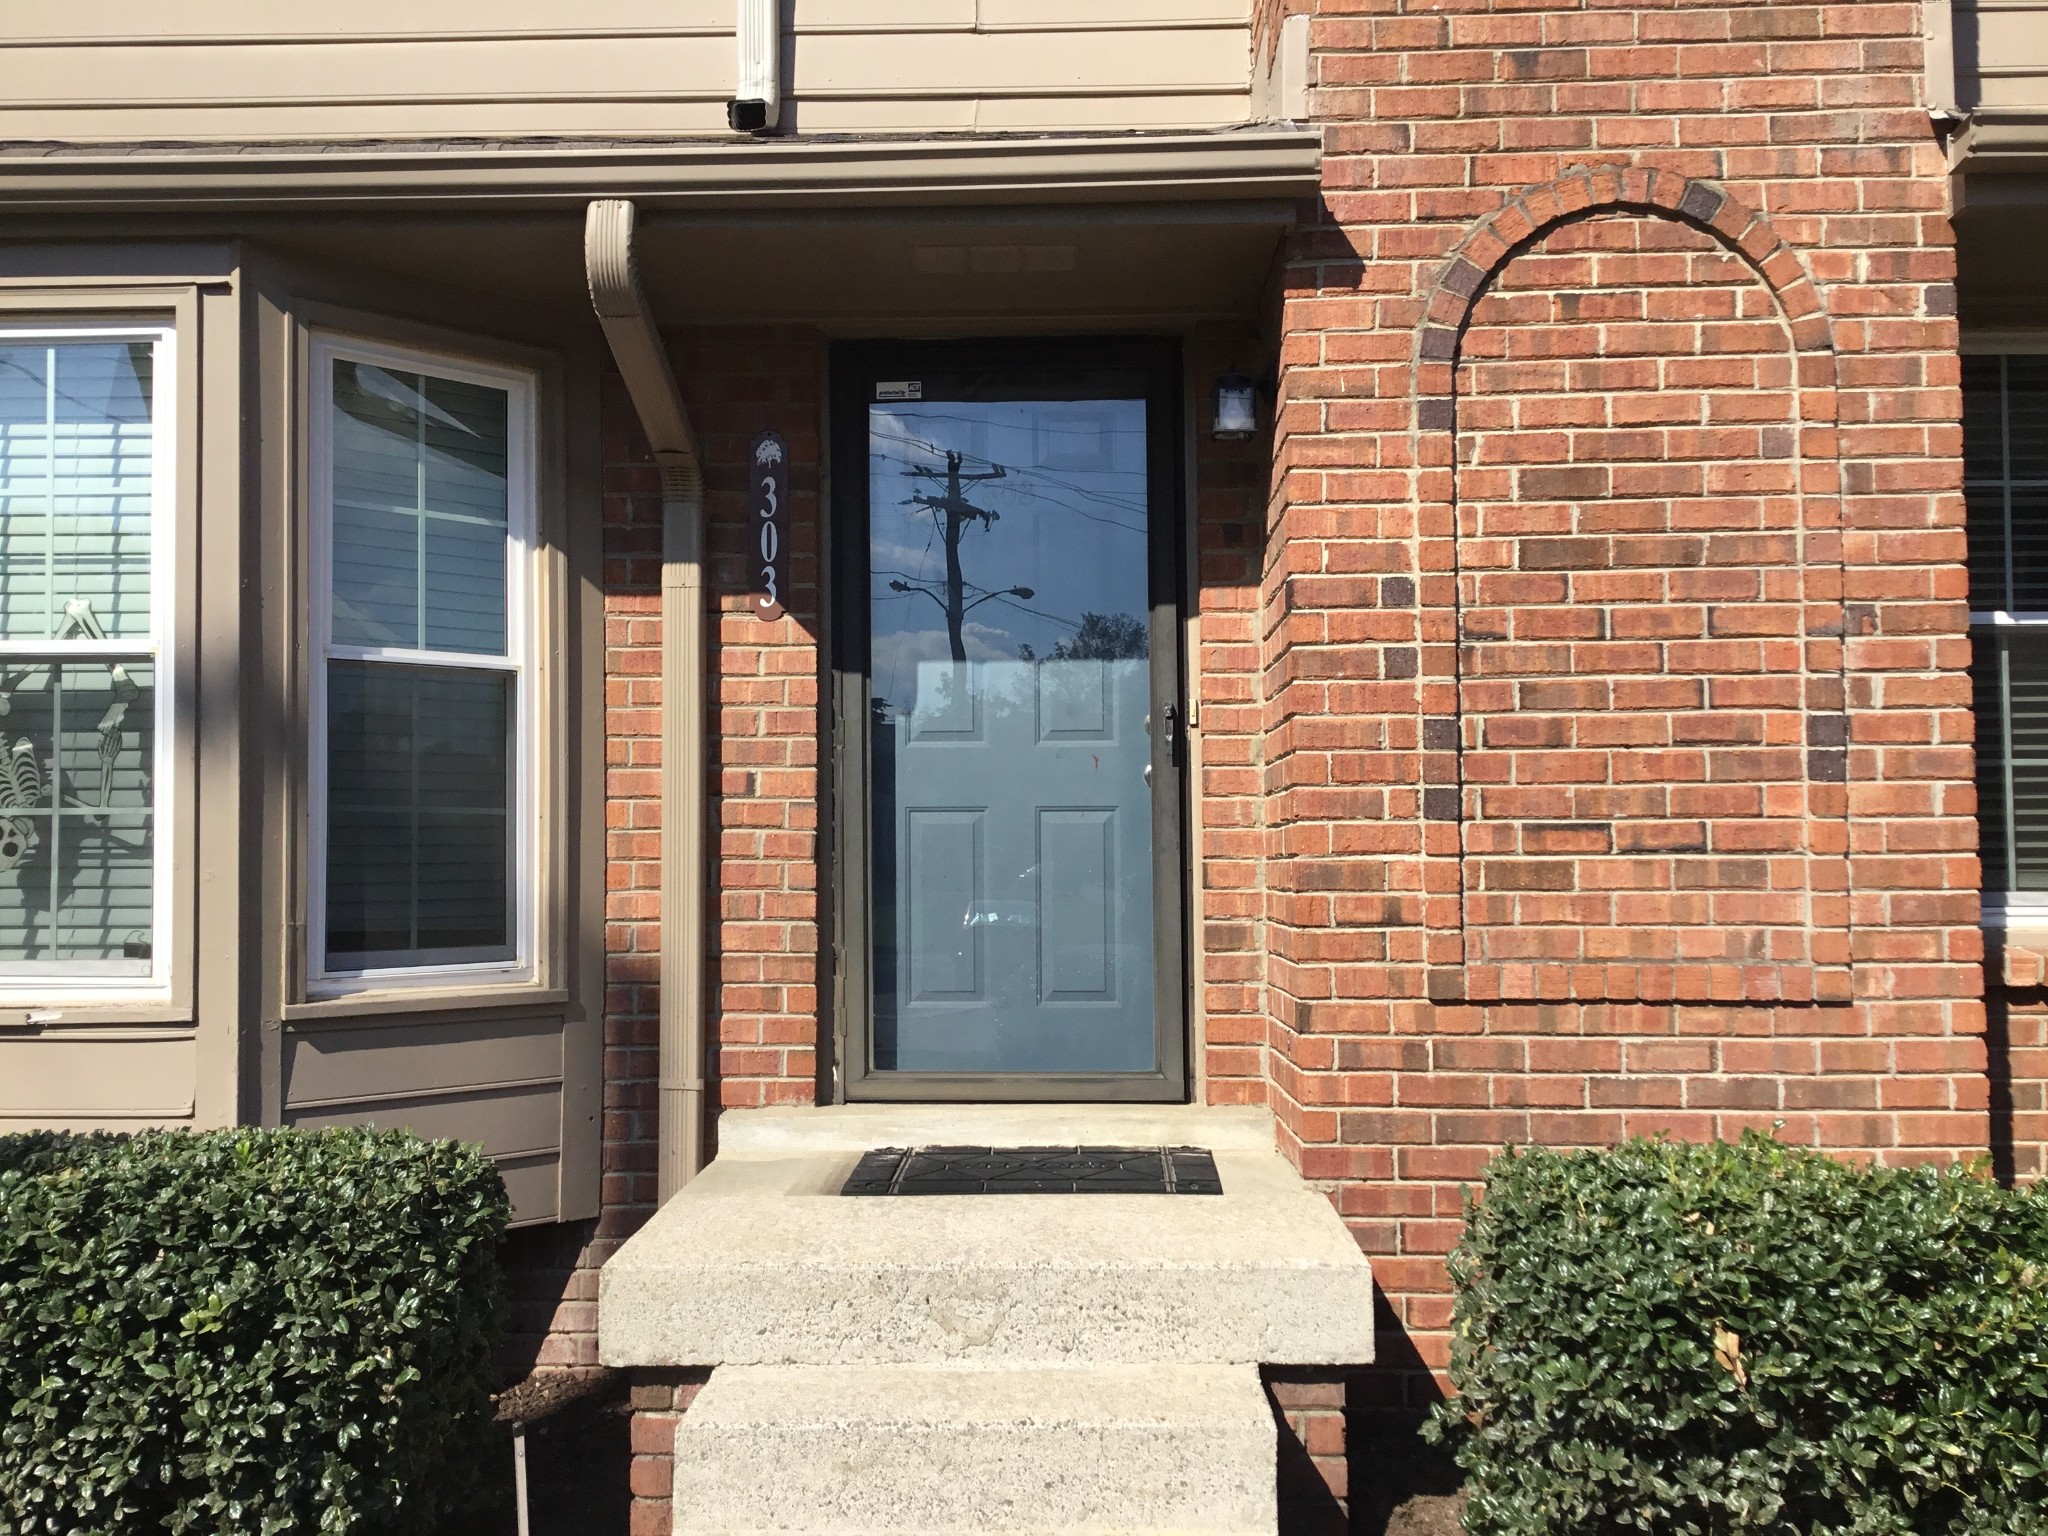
[256, 70]
[2001, 54]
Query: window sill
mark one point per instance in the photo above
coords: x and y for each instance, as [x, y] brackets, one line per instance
[410, 1001]
[18, 1019]
[2019, 917]
[2015, 947]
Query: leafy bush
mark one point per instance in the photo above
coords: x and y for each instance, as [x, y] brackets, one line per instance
[1746, 1338]
[243, 1332]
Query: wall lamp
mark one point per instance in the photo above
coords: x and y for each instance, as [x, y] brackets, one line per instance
[1237, 407]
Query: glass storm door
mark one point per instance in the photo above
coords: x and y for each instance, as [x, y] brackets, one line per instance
[1010, 572]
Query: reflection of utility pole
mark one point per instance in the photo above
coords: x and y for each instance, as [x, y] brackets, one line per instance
[954, 514]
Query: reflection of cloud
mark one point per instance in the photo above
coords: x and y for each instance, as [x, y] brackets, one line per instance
[923, 559]
[896, 657]
[913, 435]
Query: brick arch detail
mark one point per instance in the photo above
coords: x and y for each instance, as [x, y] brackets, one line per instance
[1465, 278]
[1651, 193]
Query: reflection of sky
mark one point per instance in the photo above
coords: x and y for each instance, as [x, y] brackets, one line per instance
[1070, 525]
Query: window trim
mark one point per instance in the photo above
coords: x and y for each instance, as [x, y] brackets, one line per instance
[524, 621]
[167, 621]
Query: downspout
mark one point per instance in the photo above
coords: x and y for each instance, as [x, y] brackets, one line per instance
[636, 347]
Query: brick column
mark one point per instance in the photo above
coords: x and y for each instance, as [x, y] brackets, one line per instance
[660, 1398]
[1563, 260]
[1315, 1483]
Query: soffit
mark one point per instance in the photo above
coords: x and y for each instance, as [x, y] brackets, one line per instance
[1998, 257]
[850, 271]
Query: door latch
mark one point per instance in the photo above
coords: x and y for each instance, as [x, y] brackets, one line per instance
[1169, 733]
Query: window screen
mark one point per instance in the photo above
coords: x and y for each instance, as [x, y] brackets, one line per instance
[2005, 468]
[423, 672]
[79, 626]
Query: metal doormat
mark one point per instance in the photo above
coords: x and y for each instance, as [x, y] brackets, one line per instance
[1035, 1171]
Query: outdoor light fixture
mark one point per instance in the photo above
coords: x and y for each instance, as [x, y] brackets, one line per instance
[1237, 408]
[756, 103]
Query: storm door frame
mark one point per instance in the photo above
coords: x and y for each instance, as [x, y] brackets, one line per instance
[856, 368]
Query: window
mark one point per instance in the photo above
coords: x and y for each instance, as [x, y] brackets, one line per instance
[422, 708]
[2005, 473]
[85, 592]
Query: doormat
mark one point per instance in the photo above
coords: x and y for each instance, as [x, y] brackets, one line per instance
[1035, 1171]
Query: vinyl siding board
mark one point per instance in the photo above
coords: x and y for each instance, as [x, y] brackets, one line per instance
[495, 1082]
[119, 1082]
[228, 70]
[2002, 53]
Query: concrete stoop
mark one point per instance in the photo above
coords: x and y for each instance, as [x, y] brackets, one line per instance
[1073, 1363]
[1003, 1450]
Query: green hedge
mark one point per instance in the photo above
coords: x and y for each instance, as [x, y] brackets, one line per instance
[1745, 1338]
[243, 1331]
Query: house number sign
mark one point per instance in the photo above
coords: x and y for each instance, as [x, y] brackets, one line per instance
[768, 528]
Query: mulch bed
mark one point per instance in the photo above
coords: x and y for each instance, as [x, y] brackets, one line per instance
[578, 1458]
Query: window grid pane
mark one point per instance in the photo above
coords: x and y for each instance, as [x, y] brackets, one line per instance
[422, 758]
[421, 524]
[77, 473]
[2005, 456]
[420, 793]
[78, 737]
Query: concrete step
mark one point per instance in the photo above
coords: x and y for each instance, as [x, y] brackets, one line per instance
[761, 1261]
[997, 1451]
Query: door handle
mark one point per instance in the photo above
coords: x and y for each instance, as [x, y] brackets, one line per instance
[1169, 733]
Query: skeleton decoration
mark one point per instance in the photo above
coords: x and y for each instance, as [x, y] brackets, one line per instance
[21, 783]
[24, 777]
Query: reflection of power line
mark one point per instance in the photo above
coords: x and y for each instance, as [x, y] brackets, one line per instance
[1036, 613]
[1127, 501]
[886, 570]
[1019, 489]
[1093, 517]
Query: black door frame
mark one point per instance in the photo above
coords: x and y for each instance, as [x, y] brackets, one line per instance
[984, 368]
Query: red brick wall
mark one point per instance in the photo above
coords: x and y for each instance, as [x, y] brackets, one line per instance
[1649, 731]
[1228, 809]
[1477, 242]
[2020, 1081]
[764, 955]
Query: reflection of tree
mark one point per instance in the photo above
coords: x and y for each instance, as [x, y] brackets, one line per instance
[1101, 637]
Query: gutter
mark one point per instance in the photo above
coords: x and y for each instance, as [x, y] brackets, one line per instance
[2000, 141]
[636, 347]
[493, 176]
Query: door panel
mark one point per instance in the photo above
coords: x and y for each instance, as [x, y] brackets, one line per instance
[1021, 914]
[1024, 904]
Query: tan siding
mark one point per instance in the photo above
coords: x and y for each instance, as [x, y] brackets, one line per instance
[2001, 55]
[496, 1082]
[242, 70]
[116, 1082]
